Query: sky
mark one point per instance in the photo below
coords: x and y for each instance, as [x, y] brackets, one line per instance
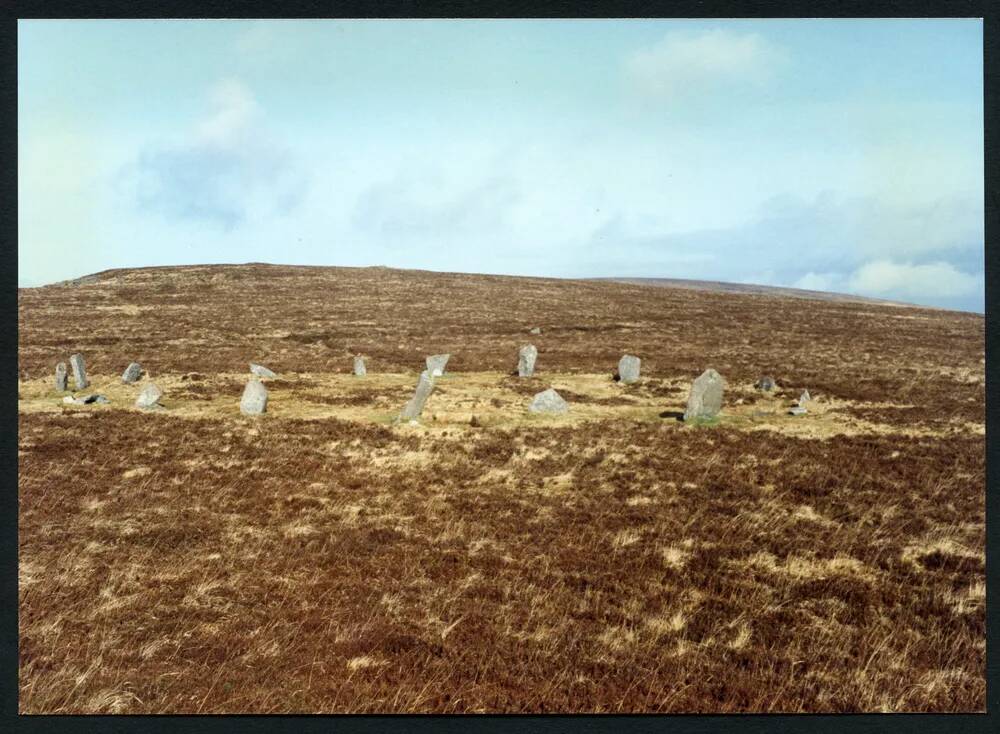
[841, 155]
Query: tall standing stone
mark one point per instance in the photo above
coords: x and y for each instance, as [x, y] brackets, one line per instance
[628, 369]
[61, 377]
[413, 408]
[359, 367]
[526, 360]
[132, 373]
[436, 364]
[149, 397]
[261, 370]
[254, 400]
[548, 401]
[705, 400]
[79, 371]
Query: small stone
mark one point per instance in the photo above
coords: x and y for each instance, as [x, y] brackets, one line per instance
[359, 367]
[628, 369]
[804, 398]
[436, 364]
[79, 371]
[705, 400]
[61, 377]
[69, 400]
[425, 385]
[149, 397]
[261, 371]
[254, 400]
[536, 330]
[526, 360]
[797, 410]
[766, 383]
[548, 401]
[132, 373]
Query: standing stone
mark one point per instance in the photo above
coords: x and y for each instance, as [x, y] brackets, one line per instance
[804, 398]
[548, 401]
[261, 371]
[766, 383]
[132, 373]
[628, 369]
[413, 408]
[61, 377]
[705, 400]
[254, 400]
[526, 360]
[436, 363]
[149, 397]
[359, 367]
[79, 371]
[537, 330]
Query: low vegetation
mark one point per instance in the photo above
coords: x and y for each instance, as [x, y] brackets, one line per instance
[321, 559]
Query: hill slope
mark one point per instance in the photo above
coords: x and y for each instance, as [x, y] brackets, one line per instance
[320, 559]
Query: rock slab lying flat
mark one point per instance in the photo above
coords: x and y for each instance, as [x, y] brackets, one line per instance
[628, 369]
[537, 330]
[149, 397]
[359, 367]
[436, 364]
[132, 373]
[548, 401]
[705, 400]
[413, 409]
[85, 400]
[526, 360]
[261, 371]
[79, 371]
[797, 410]
[254, 400]
[61, 377]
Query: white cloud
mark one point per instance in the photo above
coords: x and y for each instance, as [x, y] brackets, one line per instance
[684, 61]
[817, 281]
[905, 280]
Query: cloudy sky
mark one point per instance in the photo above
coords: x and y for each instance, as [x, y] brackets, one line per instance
[842, 155]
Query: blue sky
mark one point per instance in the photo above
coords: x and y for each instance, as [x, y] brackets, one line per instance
[842, 155]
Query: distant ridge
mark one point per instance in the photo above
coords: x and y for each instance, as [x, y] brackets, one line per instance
[763, 290]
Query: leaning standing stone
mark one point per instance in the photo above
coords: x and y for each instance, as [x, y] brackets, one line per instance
[149, 397]
[132, 373]
[705, 400]
[254, 400]
[359, 367]
[61, 377]
[79, 372]
[526, 360]
[436, 363]
[548, 401]
[628, 369]
[413, 408]
[261, 370]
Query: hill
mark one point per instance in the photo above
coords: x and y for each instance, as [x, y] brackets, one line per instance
[320, 558]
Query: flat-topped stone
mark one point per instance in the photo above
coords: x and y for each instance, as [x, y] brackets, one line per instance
[261, 371]
[536, 330]
[705, 400]
[62, 377]
[149, 397]
[359, 367]
[436, 364]
[79, 371]
[425, 385]
[548, 401]
[254, 400]
[766, 383]
[132, 373]
[628, 369]
[797, 410]
[526, 360]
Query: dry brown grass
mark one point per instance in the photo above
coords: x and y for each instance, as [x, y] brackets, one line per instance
[320, 559]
